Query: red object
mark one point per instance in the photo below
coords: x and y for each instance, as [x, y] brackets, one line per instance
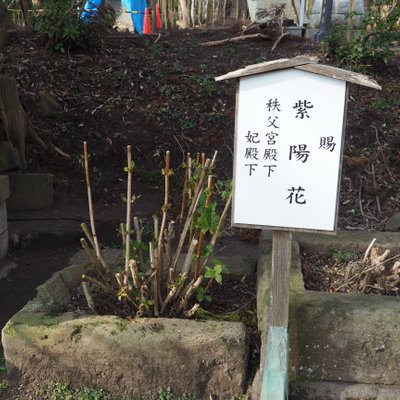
[158, 18]
[146, 23]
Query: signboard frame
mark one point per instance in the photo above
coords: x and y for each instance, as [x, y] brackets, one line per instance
[280, 227]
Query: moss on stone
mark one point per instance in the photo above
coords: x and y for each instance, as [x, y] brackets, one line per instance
[10, 329]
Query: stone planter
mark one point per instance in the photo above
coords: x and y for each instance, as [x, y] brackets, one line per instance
[42, 344]
[342, 346]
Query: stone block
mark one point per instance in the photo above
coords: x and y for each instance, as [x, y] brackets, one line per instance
[393, 223]
[126, 357]
[3, 244]
[30, 191]
[342, 391]
[5, 267]
[344, 337]
[4, 188]
[4, 194]
[135, 357]
[3, 217]
[9, 158]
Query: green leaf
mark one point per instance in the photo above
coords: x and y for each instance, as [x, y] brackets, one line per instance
[201, 295]
[209, 273]
[218, 268]
[208, 219]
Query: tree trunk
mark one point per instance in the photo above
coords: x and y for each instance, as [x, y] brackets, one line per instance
[14, 123]
[5, 23]
[25, 13]
[184, 22]
[4, 20]
[164, 14]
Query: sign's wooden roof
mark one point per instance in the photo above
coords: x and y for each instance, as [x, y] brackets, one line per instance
[304, 63]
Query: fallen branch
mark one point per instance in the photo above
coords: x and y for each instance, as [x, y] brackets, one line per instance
[236, 39]
[279, 39]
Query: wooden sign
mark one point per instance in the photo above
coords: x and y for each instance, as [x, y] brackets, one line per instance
[288, 147]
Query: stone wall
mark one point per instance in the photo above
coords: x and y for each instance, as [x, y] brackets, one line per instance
[4, 194]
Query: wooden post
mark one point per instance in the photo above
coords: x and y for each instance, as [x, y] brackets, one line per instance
[275, 370]
[281, 260]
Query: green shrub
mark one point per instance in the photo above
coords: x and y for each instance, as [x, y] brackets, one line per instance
[370, 43]
[61, 25]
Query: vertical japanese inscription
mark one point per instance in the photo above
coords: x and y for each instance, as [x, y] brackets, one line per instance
[288, 148]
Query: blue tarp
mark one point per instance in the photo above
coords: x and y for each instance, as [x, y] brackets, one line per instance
[90, 11]
[136, 8]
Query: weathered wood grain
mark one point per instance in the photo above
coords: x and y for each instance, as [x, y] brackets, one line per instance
[268, 66]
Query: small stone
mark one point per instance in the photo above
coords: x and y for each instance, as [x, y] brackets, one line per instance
[393, 223]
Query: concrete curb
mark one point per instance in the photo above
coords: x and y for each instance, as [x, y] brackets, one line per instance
[30, 191]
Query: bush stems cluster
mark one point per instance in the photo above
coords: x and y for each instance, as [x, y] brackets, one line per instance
[158, 279]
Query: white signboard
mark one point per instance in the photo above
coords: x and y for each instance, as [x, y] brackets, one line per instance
[288, 147]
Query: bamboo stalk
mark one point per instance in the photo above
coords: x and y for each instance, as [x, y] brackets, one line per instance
[91, 214]
[89, 252]
[138, 232]
[213, 159]
[186, 228]
[189, 293]
[122, 230]
[207, 288]
[189, 258]
[192, 311]
[189, 218]
[170, 296]
[128, 214]
[159, 265]
[135, 273]
[189, 171]
[186, 267]
[88, 297]
[154, 278]
[120, 280]
[170, 234]
[185, 190]
[364, 260]
[190, 197]
[98, 283]
[125, 289]
[87, 233]
[155, 223]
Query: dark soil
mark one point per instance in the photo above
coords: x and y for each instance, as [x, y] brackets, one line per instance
[329, 272]
[162, 96]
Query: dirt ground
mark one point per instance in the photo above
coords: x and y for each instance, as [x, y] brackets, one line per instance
[159, 96]
[162, 96]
